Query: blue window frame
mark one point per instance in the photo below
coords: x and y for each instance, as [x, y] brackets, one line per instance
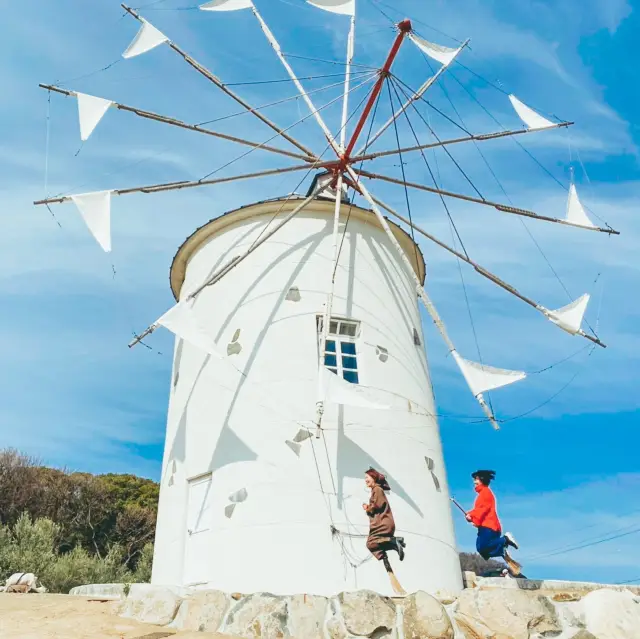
[340, 352]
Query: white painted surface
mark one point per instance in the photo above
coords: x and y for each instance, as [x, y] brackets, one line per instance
[199, 519]
[235, 424]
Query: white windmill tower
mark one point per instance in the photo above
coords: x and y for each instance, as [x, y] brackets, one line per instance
[299, 358]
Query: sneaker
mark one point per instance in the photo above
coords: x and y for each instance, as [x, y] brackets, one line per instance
[511, 540]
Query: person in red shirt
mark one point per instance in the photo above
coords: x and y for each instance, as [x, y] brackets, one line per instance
[484, 516]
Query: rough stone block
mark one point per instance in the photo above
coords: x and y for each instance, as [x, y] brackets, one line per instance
[583, 634]
[608, 614]
[367, 614]
[261, 616]
[151, 604]
[202, 611]
[306, 616]
[426, 618]
[100, 591]
[506, 614]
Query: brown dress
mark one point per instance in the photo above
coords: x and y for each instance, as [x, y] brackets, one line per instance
[382, 527]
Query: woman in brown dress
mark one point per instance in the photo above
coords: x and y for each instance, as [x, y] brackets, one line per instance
[382, 526]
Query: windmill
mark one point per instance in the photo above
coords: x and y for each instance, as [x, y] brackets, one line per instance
[299, 355]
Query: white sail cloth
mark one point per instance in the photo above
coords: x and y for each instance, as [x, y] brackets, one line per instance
[444, 55]
[95, 209]
[226, 5]
[483, 378]
[183, 322]
[569, 318]
[532, 119]
[344, 7]
[147, 38]
[336, 390]
[90, 111]
[575, 211]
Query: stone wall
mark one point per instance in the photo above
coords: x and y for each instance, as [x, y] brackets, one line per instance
[489, 609]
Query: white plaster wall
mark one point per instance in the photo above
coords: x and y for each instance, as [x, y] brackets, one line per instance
[232, 417]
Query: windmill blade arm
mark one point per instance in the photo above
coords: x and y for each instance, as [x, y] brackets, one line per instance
[469, 198]
[416, 96]
[186, 184]
[150, 115]
[480, 269]
[213, 78]
[305, 96]
[469, 138]
[351, 41]
[476, 385]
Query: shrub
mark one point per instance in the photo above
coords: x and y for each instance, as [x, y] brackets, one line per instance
[142, 573]
[32, 546]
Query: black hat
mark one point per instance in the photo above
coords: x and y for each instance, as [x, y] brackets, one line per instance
[485, 476]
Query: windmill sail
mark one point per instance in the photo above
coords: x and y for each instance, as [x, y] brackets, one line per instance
[147, 38]
[95, 209]
[337, 391]
[90, 111]
[569, 318]
[483, 378]
[532, 119]
[444, 55]
[182, 321]
[226, 5]
[345, 7]
[575, 211]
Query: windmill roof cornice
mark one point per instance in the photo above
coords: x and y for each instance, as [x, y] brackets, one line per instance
[320, 206]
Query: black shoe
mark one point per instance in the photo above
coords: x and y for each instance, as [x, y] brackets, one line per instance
[399, 546]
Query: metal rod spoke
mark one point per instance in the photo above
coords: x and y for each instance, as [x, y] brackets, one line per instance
[468, 198]
[416, 96]
[479, 269]
[150, 115]
[187, 184]
[213, 78]
[469, 138]
[404, 28]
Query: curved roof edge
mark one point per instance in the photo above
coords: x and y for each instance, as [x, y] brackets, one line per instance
[200, 236]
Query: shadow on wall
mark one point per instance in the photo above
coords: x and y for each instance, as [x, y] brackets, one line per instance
[220, 457]
[179, 444]
[353, 461]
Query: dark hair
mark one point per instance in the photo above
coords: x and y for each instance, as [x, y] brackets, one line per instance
[485, 476]
[379, 478]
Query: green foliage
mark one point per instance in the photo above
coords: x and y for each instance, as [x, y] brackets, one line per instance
[129, 490]
[74, 528]
[143, 569]
[28, 544]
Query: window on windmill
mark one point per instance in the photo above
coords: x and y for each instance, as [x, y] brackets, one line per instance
[340, 351]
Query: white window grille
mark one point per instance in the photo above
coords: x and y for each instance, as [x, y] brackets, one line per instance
[340, 353]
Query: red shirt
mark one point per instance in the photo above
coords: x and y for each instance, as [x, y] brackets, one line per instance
[484, 510]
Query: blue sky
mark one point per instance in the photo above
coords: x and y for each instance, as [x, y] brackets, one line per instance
[76, 396]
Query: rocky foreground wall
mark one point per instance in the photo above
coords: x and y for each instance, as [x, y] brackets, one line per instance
[502, 610]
